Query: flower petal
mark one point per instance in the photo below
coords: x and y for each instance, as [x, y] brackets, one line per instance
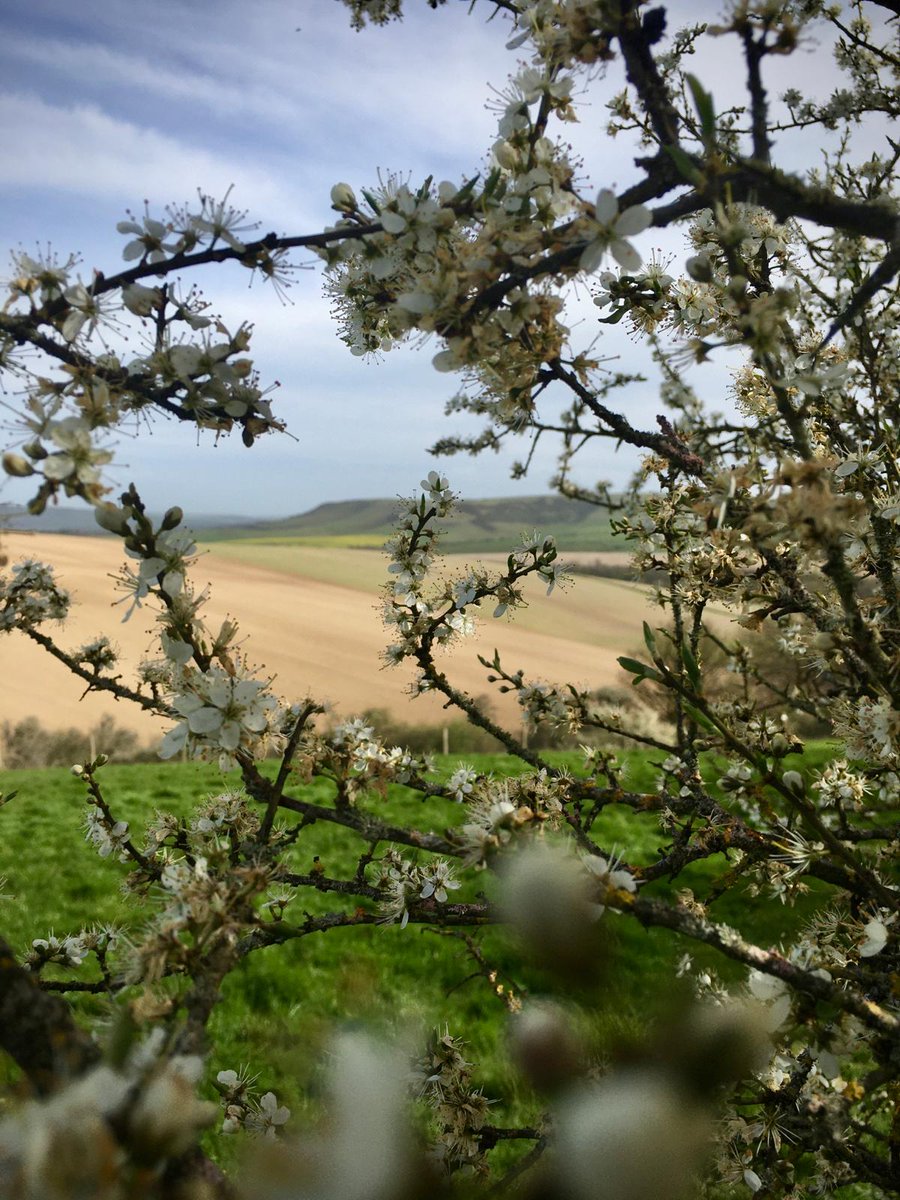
[625, 255]
[606, 207]
[592, 255]
[206, 720]
[633, 220]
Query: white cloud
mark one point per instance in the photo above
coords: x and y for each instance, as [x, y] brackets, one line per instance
[91, 65]
[81, 149]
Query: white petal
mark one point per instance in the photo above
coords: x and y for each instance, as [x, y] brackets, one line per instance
[58, 466]
[607, 207]
[392, 222]
[633, 220]
[592, 255]
[184, 359]
[176, 650]
[247, 690]
[776, 1014]
[173, 741]
[73, 324]
[765, 987]
[219, 692]
[255, 721]
[173, 582]
[150, 568]
[206, 720]
[417, 302]
[230, 735]
[625, 255]
[876, 936]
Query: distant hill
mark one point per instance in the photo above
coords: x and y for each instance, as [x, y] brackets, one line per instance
[65, 518]
[478, 525]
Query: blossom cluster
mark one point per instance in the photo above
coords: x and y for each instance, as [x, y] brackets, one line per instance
[426, 615]
[30, 596]
[246, 1109]
[402, 883]
[64, 1145]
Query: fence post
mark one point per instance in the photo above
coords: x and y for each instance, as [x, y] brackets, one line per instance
[445, 739]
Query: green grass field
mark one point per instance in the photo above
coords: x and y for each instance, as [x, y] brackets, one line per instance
[279, 1006]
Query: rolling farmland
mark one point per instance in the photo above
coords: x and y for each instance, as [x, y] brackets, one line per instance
[310, 617]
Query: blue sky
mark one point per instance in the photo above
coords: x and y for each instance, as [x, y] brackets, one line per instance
[103, 106]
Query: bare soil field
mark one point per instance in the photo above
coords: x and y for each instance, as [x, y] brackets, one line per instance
[310, 618]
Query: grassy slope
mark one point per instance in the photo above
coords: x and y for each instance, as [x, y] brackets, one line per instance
[280, 1004]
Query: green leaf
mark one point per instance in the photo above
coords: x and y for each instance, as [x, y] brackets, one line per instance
[684, 163]
[491, 182]
[649, 639]
[697, 716]
[691, 666]
[466, 189]
[706, 111]
[615, 318]
[641, 671]
[372, 202]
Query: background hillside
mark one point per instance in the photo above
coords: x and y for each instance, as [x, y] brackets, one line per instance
[479, 525]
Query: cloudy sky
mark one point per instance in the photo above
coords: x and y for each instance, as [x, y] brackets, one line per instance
[106, 105]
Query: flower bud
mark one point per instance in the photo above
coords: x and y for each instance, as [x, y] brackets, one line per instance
[780, 745]
[140, 300]
[343, 198]
[111, 518]
[173, 518]
[546, 897]
[545, 1046]
[506, 155]
[793, 781]
[166, 1118]
[15, 464]
[631, 1135]
[34, 449]
[699, 267]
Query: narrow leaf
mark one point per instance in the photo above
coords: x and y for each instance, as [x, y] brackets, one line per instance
[684, 163]
[691, 666]
[640, 670]
[697, 716]
[649, 639]
[703, 102]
